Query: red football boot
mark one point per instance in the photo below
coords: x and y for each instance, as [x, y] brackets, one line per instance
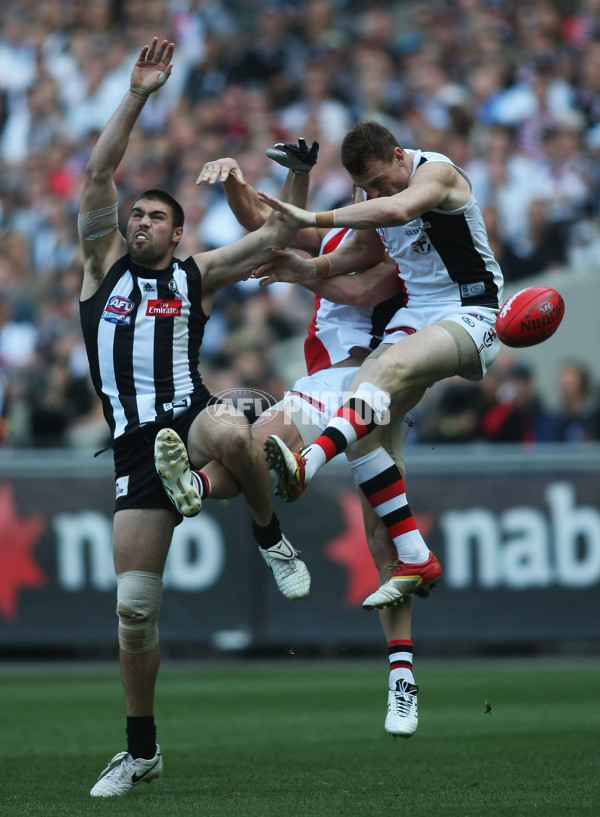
[405, 580]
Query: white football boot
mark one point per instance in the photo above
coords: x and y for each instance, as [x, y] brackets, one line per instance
[124, 772]
[173, 467]
[291, 574]
[402, 715]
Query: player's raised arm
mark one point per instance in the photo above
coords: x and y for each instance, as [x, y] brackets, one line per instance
[98, 229]
[235, 262]
[430, 187]
[241, 197]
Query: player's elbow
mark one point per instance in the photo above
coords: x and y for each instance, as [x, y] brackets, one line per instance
[362, 299]
[393, 213]
[96, 174]
[251, 218]
[277, 233]
[254, 221]
[354, 292]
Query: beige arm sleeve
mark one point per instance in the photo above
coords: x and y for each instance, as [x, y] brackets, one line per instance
[97, 223]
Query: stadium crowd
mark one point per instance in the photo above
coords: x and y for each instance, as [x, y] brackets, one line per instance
[510, 90]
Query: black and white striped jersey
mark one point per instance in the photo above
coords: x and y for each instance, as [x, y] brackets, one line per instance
[444, 256]
[143, 330]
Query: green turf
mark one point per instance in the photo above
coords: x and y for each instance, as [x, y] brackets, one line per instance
[307, 740]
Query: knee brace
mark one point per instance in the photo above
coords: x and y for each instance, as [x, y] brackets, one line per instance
[138, 602]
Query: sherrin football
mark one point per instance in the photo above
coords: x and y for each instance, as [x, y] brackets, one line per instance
[530, 316]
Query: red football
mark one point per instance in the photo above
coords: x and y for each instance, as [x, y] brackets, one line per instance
[530, 316]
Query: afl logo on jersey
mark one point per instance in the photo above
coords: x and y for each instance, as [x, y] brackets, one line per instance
[118, 310]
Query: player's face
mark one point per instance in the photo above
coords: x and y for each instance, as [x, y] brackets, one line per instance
[383, 178]
[151, 237]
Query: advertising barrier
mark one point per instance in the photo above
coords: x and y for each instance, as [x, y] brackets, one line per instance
[517, 533]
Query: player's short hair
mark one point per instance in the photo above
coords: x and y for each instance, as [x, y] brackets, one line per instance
[166, 198]
[365, 143]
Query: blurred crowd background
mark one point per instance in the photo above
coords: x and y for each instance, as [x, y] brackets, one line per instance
[509, 89]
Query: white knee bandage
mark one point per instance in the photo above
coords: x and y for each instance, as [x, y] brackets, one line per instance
[138, 602]
[377, 399]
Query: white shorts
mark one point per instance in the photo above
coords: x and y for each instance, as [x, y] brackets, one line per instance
[479, 322]
[313, 399]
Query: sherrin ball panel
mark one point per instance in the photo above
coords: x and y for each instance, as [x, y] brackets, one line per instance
[530, 316]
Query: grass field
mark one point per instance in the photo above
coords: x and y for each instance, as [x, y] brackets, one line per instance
[306, 739]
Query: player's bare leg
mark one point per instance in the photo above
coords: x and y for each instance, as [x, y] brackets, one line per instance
[223, 433]
[402, 709]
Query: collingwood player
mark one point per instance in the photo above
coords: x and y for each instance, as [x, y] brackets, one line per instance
[143, 313]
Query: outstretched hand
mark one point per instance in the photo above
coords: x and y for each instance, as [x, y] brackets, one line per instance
[221, 169]
[153, 66]
[287, 266]
[292, 215]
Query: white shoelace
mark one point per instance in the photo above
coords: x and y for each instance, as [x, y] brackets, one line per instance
[120, 756]
[403, 698]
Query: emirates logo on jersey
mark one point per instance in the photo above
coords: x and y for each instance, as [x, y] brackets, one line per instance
[163, 308]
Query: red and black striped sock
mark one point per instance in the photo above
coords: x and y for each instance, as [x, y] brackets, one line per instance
[400, 652]
[202, 483]
[357, 417]
[383, 485]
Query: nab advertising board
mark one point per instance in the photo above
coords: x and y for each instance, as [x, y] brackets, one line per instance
[518, 538]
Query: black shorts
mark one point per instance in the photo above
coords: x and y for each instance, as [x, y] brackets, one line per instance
[137, 483]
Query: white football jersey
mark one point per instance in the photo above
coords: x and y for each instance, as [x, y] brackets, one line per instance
[444, 256]
[336, 328]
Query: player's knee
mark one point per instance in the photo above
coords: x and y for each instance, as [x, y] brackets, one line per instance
[398, 374]
[139, 596]
[397, 371]
[261, 430]
[237, 442]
